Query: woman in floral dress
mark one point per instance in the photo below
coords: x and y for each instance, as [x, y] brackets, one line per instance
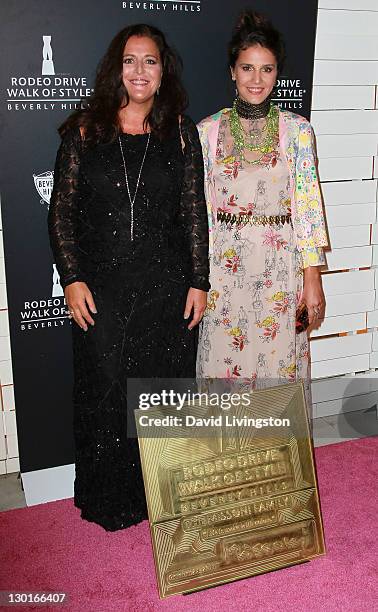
[267, 225]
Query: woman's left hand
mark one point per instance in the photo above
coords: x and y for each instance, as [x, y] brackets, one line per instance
[313, 295]
[196, 301]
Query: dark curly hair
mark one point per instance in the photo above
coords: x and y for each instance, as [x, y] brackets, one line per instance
[255, 29]
[99, 115]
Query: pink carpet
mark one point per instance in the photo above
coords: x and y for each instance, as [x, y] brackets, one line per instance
[49, 548]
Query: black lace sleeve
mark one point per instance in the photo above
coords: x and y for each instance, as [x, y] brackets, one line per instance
[193, 205]
[63, 210]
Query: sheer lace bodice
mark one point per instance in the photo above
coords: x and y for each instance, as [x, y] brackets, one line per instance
[89, 217]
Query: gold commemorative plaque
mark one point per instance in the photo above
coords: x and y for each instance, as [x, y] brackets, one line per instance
[230, 494]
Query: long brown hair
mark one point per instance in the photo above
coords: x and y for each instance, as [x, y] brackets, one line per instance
[99, 115]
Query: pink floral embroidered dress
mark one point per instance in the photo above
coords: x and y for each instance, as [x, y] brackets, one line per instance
[256, 269]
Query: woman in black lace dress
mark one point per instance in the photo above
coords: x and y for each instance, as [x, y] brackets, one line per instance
[128, 229]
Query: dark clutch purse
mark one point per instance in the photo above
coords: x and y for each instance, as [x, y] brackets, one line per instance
[301, 318]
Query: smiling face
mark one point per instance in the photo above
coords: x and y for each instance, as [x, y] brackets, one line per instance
[142, 69]
[255, 73]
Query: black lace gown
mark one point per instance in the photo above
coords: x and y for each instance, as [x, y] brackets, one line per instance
[139, 288]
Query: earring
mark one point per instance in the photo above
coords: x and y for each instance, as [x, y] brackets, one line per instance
[158, 91]
[236, 89]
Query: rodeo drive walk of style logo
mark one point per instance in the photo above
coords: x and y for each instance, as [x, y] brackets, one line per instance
[47, 90]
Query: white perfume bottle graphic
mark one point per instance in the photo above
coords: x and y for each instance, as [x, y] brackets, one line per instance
[47, 62]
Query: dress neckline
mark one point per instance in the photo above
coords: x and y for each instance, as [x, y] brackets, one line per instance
[134, 135]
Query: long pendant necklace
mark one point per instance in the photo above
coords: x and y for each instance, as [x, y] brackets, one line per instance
[132, 199]
[238, 134]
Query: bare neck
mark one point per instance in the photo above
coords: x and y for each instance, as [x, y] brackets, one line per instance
[131, 117]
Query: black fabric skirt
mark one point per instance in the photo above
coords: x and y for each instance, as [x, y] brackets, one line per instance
[139, 332]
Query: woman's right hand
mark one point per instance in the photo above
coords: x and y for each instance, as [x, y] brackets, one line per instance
[80, 304]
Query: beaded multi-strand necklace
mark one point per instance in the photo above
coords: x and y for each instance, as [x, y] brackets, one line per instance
[244, 109]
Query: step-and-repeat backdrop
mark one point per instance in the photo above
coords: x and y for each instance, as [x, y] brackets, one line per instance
[50, 50]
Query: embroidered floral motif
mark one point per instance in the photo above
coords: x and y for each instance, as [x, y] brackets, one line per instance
[271, 328]
[234, 372]
[274, 239]
[281, 299]
[239, 339]
[231, 168]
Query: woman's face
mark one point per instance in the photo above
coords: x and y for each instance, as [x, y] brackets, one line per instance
[255, 73]
[141, 68]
